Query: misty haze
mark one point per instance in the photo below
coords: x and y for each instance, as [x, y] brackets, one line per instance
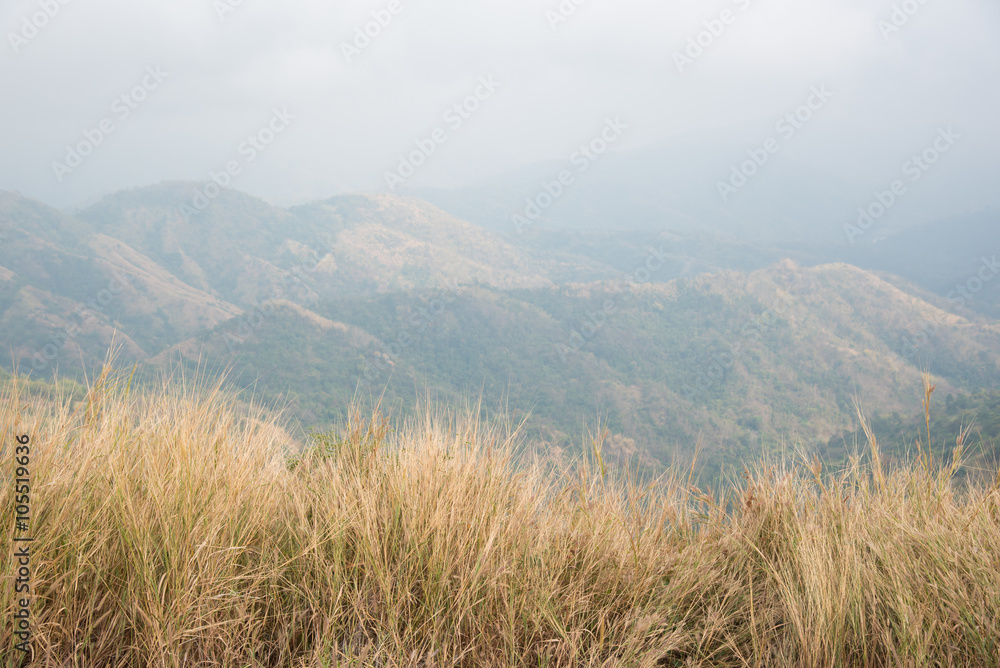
[558, 333]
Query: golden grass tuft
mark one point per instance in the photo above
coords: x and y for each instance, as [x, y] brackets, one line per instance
[175, 529]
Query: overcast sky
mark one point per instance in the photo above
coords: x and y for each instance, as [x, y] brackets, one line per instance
[224, 70]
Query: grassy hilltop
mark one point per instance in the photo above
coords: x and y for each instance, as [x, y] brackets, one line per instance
[181, 528]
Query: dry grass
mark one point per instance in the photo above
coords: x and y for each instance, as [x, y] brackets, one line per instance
[171, 530]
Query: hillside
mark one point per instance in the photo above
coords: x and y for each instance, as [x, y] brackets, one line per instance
[955, 258]
[972, 419]
[241, 248]
[364, 294]
[67, 289]
[746, 362]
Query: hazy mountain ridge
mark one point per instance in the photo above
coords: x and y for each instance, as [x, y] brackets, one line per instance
[954, 258]
[744, 361]
[382, 292]
[397, 243]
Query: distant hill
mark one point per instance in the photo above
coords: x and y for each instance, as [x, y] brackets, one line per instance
[945, 257]
[667, 338]
[67, 288]
[760, 361]
[240, 247]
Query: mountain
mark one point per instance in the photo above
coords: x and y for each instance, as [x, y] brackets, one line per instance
[241, 248]
[667, 338]
[67, 288]
[956, 258]
[394, 243]
[764, 360]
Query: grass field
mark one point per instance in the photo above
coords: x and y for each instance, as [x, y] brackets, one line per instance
[180, 528]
